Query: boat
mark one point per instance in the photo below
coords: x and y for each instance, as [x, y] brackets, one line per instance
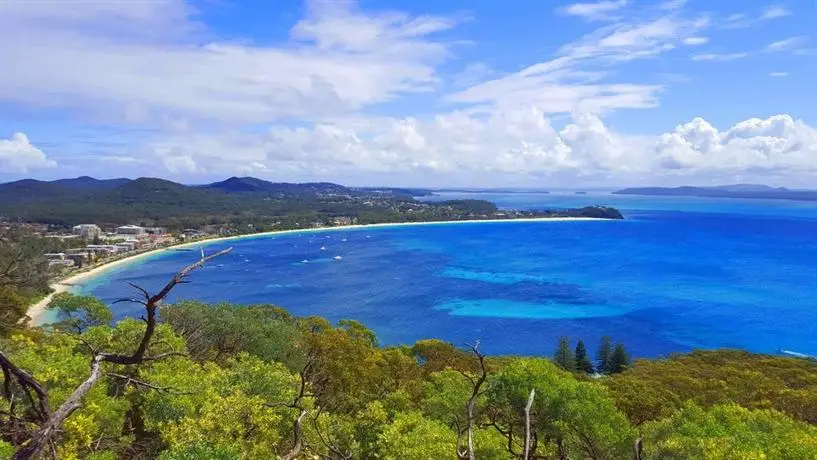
[338, 257]
[304, 261]
[323, 248]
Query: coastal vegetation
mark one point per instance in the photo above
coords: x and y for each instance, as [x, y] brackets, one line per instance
[198, 381]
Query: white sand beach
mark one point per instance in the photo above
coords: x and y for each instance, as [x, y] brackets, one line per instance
[36, 311]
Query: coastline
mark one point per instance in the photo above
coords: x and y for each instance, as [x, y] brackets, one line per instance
[37, 310]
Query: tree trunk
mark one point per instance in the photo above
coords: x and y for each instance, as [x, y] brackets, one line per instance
[526, 454]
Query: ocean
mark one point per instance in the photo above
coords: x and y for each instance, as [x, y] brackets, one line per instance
[679, 273]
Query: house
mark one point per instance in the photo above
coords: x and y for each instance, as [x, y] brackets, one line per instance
[61, 263]
[343, 220]
[87, 231]
[130, 230]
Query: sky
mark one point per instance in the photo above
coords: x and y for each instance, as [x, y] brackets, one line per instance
[478, 93]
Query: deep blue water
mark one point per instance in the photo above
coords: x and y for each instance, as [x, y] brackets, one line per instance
[679, 273]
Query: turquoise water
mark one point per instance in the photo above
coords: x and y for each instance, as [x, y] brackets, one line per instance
[679, 273]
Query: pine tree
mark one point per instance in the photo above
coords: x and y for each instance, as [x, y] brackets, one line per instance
[620, 360]
[583, 363]
[564, 355]
[604, 355]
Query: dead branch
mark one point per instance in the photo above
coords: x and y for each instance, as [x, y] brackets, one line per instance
[476, 385]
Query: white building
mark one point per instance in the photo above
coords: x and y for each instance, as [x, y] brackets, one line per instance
[89, 231]
[130, 230]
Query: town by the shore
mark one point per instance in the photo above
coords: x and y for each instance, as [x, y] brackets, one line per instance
[36, 312]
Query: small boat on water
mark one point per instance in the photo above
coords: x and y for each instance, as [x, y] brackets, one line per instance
[305, 261]
[323, 248]
[338, 257]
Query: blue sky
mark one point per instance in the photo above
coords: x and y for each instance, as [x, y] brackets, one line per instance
[477, 93]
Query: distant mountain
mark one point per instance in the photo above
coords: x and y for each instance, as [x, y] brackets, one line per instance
[255, 185]
[726, 191]
[89, 183]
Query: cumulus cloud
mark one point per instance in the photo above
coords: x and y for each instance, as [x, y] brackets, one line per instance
[520, 142]
[18, 155]
[777, 142]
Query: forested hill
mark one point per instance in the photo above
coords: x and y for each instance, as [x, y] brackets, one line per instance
[152, 200]
[726, 191]
[243, 204]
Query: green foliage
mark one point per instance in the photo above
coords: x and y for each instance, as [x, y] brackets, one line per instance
[218, 332]
[78, 313]
[577, 418]
[23, 276]
[653, 389]
[412, 437]
[583, 363]
[727, 432]
[564, 355]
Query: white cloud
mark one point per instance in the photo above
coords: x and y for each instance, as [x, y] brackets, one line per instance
[722, 57]
[18, 155]
[576, 78]
[138, 62]
[778, 142]
[695, 41]
[519, 143]
[774, 12]
[778, 74]
[787, 44]
[743, 20]
[593, 11]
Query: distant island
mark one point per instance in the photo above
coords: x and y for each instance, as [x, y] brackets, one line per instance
[726, 191]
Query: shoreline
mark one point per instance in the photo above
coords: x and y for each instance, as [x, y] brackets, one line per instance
[36, 311]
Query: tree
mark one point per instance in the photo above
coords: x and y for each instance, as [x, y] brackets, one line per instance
[564, 355]
[23, 276]
[77, 313]
[604, 355]
[620, 360]
[583, 363]
[412, 437]
[729, 431]
[568, 418]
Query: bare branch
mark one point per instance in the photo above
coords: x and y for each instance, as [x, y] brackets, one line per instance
[153, 304]
[130, 380]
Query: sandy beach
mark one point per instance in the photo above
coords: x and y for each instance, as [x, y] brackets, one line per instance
[36, 311]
